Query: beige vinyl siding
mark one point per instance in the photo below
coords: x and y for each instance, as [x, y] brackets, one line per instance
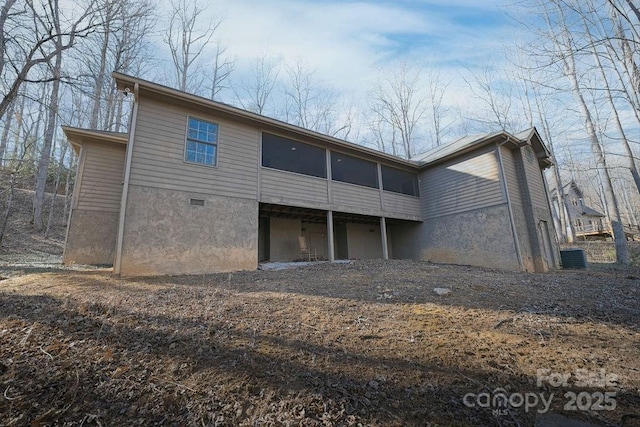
[471, 182]
[281, 187]
[534, 178]
[355, 199]
[102, 175]
[158, 155]
[511, 176]
[400, 205]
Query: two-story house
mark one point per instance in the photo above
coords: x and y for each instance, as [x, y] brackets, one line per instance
[198, 186]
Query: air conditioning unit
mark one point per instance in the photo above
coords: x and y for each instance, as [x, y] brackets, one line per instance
[573, 258]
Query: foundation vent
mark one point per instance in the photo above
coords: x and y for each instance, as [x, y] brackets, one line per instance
[196, 202]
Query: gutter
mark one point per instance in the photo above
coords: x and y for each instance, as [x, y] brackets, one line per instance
[117, 264]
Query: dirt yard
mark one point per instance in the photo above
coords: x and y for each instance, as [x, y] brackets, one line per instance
[364, 343]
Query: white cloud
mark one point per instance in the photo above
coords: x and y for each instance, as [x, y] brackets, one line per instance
[347, 41]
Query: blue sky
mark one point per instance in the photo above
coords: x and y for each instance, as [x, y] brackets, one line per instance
[347, 41]
[348, 44]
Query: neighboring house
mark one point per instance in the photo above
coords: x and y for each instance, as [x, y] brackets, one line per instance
[587, 222]
[198, 186]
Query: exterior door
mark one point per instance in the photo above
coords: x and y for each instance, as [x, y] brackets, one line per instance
[340, 236]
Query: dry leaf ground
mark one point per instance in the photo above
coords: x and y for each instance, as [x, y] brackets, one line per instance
[367, 343]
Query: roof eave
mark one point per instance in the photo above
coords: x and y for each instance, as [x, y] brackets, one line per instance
[545, 159]
[495, 138]
[127, 83]
[78, 136]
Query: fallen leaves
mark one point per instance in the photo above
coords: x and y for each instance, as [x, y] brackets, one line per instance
[367, 342]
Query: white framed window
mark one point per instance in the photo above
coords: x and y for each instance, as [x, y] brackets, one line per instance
[202, 142]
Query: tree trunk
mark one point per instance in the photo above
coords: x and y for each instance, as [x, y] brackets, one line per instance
[110, 109]
[45, 155]
[55, 191]
[622, 250]
[607, 93]
[568, 233]
[31, 149]
[17, 133]
[5, 133]
[7, 211]
[633, 219]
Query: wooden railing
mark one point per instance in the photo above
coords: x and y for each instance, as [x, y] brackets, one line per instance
[592, 228]
[605, 227]
[631, 229]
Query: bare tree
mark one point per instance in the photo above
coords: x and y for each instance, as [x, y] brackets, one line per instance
[15, 169]
[437, 90]
[49, 132]
[221, 69]
[567, 231]
[300, 95]
[108, 13]
[608, 94]
[484, 87]
[117, 43]
[32, 35]
[382, 131]
[253, 94]
[56, 184]
[187, 42]
[398, 101]
[5, 131]
[309, 103]
[565, 50]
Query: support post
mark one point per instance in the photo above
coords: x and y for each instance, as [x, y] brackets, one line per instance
[383, 233]
[332, 256]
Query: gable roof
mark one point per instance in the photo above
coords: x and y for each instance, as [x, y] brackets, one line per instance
[531, 137]
[472, 142]
[586, 210]
[573, 186]
[445, 151]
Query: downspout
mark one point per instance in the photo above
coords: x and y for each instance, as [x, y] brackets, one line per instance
[514, 230]
[117, 265]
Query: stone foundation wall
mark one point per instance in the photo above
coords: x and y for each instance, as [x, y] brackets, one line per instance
[481, 237]
[91, 238]
[166, 234]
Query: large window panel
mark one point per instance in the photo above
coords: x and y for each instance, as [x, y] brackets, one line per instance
[399, 181]
[293, 156]
[353, 170]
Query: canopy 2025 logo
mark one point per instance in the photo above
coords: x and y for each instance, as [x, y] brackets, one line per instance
[500, 401]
